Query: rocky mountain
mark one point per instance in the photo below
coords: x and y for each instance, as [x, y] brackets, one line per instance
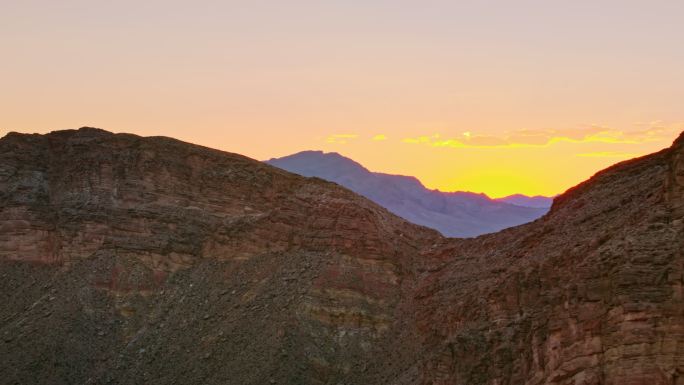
[130, 260]
[454, 214]
[537, 201]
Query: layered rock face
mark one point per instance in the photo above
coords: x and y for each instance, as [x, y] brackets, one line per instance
[130, 260]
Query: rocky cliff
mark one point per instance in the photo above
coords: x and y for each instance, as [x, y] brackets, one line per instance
[130, 260]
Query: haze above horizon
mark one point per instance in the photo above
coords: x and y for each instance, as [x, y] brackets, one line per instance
[500, 97]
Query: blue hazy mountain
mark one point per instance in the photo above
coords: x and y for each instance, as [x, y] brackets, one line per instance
[455, 214]
[537, 201]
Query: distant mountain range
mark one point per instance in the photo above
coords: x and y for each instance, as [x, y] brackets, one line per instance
[454, 214]
[537, 201]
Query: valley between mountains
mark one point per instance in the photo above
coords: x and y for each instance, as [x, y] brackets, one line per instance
[146, 260]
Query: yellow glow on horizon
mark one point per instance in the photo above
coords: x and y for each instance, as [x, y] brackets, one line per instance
[546, 138]
[546, 165]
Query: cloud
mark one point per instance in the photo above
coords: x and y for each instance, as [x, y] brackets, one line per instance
[544, 138]
[608, 154]
[341, 138]
[422, 139]
[380, 137]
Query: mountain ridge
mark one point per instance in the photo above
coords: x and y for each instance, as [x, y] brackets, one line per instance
[537, 201]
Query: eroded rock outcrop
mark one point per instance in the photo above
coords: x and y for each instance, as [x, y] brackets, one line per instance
[147, 260]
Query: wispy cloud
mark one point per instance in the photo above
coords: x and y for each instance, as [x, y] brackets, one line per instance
[608, 154]
[423, 139]
[544, 138]
[341, 138]
[380, 137]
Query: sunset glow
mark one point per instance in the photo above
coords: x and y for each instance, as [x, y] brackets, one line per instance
[502, 97]
[543, 163]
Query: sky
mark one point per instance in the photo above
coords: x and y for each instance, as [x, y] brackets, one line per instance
[499, 97]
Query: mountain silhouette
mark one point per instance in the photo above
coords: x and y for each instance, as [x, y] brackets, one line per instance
[537, 201]
[454, 214]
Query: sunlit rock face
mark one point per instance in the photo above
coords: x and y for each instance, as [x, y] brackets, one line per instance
[147, 260]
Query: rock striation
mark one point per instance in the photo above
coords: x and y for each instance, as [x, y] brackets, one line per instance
[131, 260]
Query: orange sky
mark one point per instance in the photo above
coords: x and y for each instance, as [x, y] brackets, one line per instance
[488, 96]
